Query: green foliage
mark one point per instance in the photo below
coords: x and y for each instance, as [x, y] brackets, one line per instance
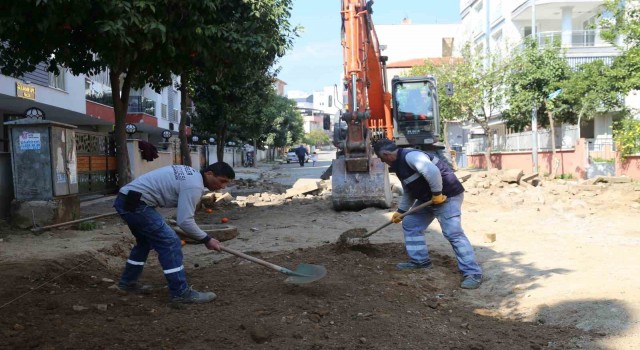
[565, 176]
[603, 160]
[622, 19]
[453, 107]
[535, 73]
[626, 133]
[143, 42]
[317, 138]
[591, 90]
[261, 116]
[87, 226]
[478, 83]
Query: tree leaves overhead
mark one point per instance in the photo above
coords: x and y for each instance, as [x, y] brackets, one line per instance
[622, 20]
[142, 41]
[535, 72]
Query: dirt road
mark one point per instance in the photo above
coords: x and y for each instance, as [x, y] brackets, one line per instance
[561, 275]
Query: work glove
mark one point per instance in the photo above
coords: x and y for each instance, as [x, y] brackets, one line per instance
[396, 219]
[438, 199]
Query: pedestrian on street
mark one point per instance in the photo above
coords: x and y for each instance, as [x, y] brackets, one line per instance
[302, 153]
[314, 158]
[425, 177]
[175, 186]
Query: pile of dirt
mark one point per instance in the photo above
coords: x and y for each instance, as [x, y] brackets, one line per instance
[364, 303]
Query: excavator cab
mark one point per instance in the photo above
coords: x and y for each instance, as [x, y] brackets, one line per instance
[415, 111]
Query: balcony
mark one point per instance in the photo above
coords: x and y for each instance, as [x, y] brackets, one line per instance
[549, 10]
[141, 104]
[583, 45]
[573, 39]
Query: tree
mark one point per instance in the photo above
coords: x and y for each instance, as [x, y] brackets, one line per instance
[592, 89]
[238, 72]
[287, 127]
[479, 85]
[251, 112]
[623, 21]
[317, 138]
[138, 41]
[535, 73]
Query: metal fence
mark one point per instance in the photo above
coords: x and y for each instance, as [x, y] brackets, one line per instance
[566, 137]
[602, 148]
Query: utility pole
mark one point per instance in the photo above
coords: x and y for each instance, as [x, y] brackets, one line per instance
[534, 112]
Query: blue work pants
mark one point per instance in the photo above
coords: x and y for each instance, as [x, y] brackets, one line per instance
[151, 232]
[449, 217]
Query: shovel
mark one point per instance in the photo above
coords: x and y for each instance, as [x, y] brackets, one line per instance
[362, 233]
[304, 273]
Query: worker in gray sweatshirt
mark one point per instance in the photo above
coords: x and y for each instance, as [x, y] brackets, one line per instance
[174, 186]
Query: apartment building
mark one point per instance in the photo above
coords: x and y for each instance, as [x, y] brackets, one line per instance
[319, 110]
[84, 102]
[499, 26]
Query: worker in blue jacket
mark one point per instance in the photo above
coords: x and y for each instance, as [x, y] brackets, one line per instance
[425, 177]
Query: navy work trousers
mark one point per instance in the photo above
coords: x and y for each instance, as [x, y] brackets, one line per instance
[151, 232]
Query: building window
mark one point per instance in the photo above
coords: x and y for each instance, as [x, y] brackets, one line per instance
[56, 81]
[497, 41]
[496, 10]
[174, 115]
[163, 111]
[98, 88]
[330, 101]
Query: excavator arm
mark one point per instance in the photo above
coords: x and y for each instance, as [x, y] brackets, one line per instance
[359, 179]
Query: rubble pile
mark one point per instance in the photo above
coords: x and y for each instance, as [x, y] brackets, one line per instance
[512, 188]
[247, 193]
[262, 185]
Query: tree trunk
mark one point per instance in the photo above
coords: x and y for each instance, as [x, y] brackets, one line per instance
[185, 152]
[554, 161]
[487, 153]
[255, 153]
[120, 106]
[220, 139]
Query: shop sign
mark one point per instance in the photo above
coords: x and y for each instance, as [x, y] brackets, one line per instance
[25, 91]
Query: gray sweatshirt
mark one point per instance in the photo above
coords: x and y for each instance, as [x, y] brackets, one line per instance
[174, 186]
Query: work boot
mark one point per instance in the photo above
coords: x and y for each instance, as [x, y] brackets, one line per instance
[471, 281]
[414, 265]
[135, 288]
[191, 296]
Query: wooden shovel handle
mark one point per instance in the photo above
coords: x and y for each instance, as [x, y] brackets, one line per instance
[410, 211]
[181, 232]
[39, 229]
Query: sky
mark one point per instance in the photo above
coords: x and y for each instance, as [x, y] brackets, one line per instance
[316, 58]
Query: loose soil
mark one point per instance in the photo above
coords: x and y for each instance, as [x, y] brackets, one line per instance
[560, 275]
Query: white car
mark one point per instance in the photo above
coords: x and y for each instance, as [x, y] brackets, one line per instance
[292, 157]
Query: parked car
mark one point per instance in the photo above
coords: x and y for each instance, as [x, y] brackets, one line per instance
[292, 157]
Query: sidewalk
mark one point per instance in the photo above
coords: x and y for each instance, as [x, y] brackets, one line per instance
[253, 173]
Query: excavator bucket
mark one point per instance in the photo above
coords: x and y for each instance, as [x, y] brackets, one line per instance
[359, 190]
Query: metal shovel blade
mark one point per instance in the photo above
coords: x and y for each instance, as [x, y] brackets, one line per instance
[305, 273]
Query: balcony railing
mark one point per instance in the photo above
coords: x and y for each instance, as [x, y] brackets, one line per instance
[573, 39]
[98, 92]
[141, 104]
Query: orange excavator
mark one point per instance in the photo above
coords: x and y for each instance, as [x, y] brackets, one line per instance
[408, 114]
